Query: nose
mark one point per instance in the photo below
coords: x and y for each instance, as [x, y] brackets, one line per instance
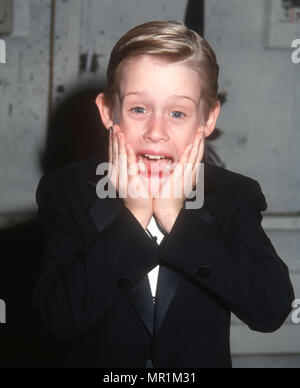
[156, 131]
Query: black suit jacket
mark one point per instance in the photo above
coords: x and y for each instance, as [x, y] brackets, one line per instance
[94, 293]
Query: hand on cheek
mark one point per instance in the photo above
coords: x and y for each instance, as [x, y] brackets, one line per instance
[179, 184]
[126, 179]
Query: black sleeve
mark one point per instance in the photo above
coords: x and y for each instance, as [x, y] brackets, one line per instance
[238, 263]
[79, 285]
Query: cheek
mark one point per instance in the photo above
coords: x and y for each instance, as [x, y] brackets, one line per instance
[183, 139]
[130, 131]
[180, 149]
[126, 123]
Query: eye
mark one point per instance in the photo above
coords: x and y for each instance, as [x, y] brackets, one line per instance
[138, 110]
[177, 115]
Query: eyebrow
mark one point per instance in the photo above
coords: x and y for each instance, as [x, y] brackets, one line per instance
[185, 97]
[131, 94]
[175, 96]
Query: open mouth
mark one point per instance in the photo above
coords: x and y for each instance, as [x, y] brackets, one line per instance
[154, 165]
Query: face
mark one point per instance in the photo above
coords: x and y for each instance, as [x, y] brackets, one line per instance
[159, 107]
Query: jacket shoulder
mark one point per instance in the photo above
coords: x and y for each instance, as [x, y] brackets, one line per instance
[231, 182]
[69, 179]
[234, 188]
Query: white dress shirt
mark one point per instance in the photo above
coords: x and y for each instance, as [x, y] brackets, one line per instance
[154, 231]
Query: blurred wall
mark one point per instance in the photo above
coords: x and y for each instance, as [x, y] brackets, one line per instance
[261, 139]
[24, 82]
[261, 117]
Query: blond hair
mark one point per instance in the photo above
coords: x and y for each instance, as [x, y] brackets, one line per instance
[173, 41]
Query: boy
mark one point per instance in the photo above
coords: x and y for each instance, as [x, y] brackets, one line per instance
[144, 281]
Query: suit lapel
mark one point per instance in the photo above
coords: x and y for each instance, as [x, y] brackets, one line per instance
[103, 211]
[141, 299]
[167, 286]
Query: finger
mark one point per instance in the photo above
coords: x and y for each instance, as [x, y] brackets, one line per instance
[132, 166]
[174, 184]
[123, 175]
[115, 154]
[110, 146]
[133, 173]
[186, 168]
[112, 172]
[185, 159]
[195, 149]
[181, 170]
[188, 165]
[201, 150]
[186, 154]
[199, 160]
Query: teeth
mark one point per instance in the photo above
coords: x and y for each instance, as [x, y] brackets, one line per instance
[153, 157]
[144, 169]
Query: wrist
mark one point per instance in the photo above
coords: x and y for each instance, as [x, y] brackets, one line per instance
[168, 212]
[140, 215]
[167, 218]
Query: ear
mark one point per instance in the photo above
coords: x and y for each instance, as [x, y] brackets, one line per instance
[212, 120]
[105, 111]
